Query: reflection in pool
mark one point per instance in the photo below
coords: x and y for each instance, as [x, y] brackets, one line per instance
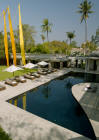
[54, 101]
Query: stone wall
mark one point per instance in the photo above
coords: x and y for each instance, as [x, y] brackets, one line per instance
[91, 64]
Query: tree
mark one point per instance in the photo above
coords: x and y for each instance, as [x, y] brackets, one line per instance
[90, 47]
[70, 35]
[85, 9]
[28, 35]
[46, 27]
[2, 49]
[74, 44]
[42, 37]
[59, 47]
[95, 39]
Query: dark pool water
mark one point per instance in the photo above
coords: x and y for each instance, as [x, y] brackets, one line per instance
[54, 101]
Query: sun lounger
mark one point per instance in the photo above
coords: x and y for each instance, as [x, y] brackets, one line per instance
[42, 72]
[2, 87]
[35, 74]
[45, 69]
[49, 71]
[29, 76]
[54, 70]
[20, 79]
[11, 82]
[89, 88]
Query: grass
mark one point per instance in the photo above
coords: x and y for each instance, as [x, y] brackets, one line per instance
[4, 75]
[3, 135]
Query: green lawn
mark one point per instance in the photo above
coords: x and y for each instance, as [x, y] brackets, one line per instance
[4, 75]
[3, 135]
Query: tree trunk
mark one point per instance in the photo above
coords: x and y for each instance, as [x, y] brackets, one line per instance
[85, 31]
[70, 41]
[85, 36]
[47, 36]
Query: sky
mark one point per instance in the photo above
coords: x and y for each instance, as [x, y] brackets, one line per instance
[61, 13]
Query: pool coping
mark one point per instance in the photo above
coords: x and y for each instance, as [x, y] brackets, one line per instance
[20, 124]
[79, 94]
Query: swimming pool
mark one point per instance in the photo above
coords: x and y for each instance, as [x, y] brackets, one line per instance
[54, 101]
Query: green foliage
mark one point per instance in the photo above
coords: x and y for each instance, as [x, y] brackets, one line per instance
[46, 26]
[95, 39]
[42, 37]
[70, 35]
[89, 46]
[54, 47]
[74, 44]
[2, 49]
[9, 43]
[28, 35]
[85, 9]
[39, 48]
[3, 135]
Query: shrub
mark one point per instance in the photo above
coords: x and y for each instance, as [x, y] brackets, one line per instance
[3, 135]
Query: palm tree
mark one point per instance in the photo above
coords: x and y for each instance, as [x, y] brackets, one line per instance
[42, 37]
[85, 9]
[46, 27]
[70, 35]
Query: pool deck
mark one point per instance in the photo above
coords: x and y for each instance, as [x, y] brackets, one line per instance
[89, 100]
[22, 125]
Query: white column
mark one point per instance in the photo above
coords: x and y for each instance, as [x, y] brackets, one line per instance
[49, 65]
[61, 65]
[20, 62]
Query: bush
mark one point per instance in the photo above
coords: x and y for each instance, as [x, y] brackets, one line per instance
[3, 135]
[54, 47]
[40, 48]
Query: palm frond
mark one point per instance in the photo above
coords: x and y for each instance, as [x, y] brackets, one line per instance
[82, 18]
[85, 9]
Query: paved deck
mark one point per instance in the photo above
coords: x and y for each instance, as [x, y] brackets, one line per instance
[90, 103]
[22, 125]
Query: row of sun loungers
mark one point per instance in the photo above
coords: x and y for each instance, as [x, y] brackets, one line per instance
[14, 81]
[22, 79]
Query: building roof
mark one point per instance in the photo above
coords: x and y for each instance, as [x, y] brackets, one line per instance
[94, 54]
[43, 57]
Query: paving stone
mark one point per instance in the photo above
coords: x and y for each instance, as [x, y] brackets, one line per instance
[89, 102]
